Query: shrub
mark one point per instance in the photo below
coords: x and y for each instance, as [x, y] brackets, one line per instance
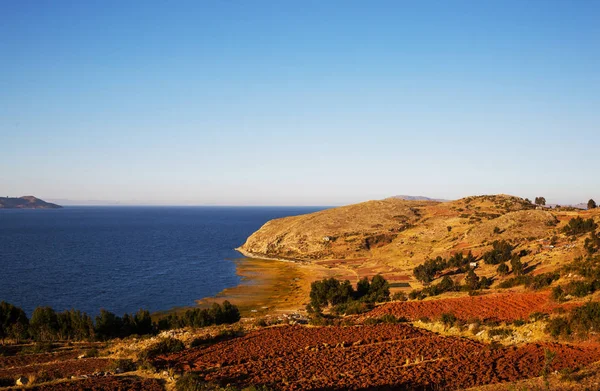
[543, 280]
[578, 226]
[164, 346]
[501, 252]
[580, 288]
[558, 294]
[448, 319]
[121, 365]
[559, 327]
[92, 352]
[399, 296]
[502, 269]
[500, 332]
[535, 316]
[260, 322]
[352, 308]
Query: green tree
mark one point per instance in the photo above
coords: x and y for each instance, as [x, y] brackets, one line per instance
[108, 325]
[502, 269]
[362, 287]
[472, 280]
[379, 290]
[44, 325]
[540, 201]
[591, 204]
[13, 322]
[142, 322]
[517, 265]
[231, 313]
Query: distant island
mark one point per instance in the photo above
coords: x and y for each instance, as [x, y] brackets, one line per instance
[26, 202]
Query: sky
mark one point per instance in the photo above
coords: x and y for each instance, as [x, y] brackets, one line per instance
[298, 102]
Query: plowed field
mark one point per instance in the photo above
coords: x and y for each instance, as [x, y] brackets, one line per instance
[57, 370]
[121, 383]
[29, 359]
[365, 357]
[500, 307]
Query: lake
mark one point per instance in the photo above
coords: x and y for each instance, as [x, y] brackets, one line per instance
[123, 258]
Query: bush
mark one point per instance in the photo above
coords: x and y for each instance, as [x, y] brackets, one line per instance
[260, 322]
[399, 296]
[559, 328]
[501, 252]
[578, 226]
[92, 352]
[502, 269]
[580, 288]
[543, 280]
[448, 319]
[164, 346]
[192, 382]
[558, 294]
[535, 316]
[500, 332]
[352, 308]
[121, 365]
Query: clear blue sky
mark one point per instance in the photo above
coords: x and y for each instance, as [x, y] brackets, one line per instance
[299, 102]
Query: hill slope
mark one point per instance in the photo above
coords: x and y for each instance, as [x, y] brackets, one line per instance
[392, 236]
[26, 202]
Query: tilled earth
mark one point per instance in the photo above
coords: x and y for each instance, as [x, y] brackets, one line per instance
[499, 307]
[120, 383]
[58, 369]
[370, 357]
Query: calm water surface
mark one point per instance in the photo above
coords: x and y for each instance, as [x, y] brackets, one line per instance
[123, 258]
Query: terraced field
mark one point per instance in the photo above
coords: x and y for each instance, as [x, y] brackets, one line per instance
[499, 307]
[369, 357]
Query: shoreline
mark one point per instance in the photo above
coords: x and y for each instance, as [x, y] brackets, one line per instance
[252, 255]
[267, 285]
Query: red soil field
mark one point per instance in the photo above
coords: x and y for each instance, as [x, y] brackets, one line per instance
[499, 307]
[29, 359]
[112, 383]
[369, 357]
[57, 370]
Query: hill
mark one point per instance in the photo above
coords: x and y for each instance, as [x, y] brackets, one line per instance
[26, 202]
[417, 198]
[393, 236]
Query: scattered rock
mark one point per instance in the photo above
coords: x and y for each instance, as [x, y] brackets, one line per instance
[22, 381]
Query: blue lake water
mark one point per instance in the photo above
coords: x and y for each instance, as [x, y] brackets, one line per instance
[123, 258]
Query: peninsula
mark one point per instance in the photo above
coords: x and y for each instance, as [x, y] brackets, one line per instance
[26, 202]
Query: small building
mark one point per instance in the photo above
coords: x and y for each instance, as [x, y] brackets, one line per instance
[473, 264]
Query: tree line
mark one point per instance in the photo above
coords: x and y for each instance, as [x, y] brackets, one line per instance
[48, 325]
[342, 295]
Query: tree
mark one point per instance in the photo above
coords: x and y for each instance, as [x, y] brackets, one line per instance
[591, 204]
[13, 322]
[540, 201]
[502, 269]
[379, 290]
[108, 325]
[44, 325]
[362, 287]
[472, 280]
[517, 265]
[143, 322]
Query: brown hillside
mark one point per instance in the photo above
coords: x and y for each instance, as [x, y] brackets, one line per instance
[393, 236]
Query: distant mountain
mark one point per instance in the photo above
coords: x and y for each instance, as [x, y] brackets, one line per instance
[417, 198]
[26, 202]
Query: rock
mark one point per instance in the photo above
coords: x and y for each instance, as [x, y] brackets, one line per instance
[119, 370]
[81, 356]
[22, 381]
